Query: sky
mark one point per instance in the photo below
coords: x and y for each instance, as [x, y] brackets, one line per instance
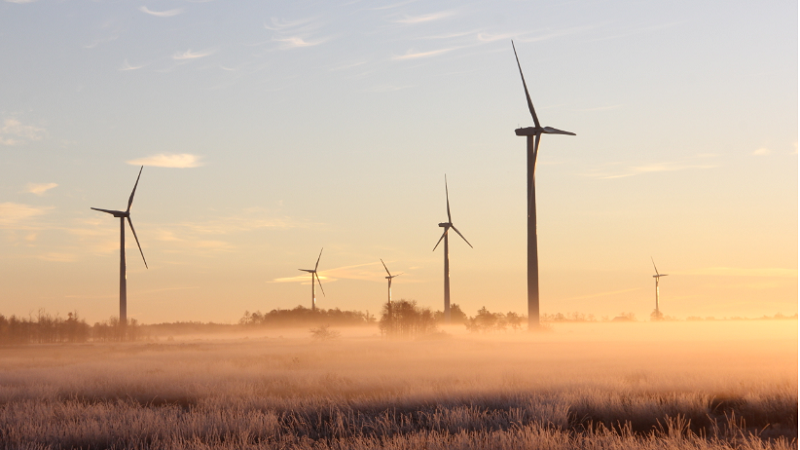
[270, 130]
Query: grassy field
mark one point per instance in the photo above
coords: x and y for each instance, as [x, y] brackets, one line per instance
[676, 385]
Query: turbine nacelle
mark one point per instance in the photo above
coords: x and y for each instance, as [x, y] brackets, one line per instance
[533, 131]
[445, 224]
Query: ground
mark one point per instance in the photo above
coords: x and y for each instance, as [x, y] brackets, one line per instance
[727, 384]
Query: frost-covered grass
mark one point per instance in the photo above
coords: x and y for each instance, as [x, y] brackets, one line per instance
[665, 386]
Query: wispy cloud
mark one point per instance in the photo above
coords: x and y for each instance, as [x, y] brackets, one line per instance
[175, 161]
[366, 272]
[14, 214]
[446, 36]
[14, 132]
[238, 224]
[772, 272]
[298, 33]
[763, 151]
[411, 20]
[486, 37]
[127, 66]
[411, 54]
[189, 54]
[553, 34]
[278, 24]
[650, 168]
[39, 188]
[168, 13]
[298, 42]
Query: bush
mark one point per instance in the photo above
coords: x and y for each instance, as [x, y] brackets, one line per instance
[403, 318]
[323, 333]
[486, 321]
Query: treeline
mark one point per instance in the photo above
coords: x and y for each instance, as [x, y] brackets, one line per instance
[46, 329]
[404, 318]
[302, 316]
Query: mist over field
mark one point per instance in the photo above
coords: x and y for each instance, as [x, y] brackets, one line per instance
[729, 384]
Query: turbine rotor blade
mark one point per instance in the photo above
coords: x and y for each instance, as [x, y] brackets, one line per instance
[318, 258]
[387, 269]
[320, 283]
[447, 195]
[130, 200]
[654, 265]
[106, 211]
[440, 239]
[137, 240]
[527, 95]
[551, 130]
[462, 237]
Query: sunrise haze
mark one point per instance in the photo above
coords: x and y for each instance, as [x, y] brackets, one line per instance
[270, 130]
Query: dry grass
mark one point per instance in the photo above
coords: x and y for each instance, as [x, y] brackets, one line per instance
[670, 386]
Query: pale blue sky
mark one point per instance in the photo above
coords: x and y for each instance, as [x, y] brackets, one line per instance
[315, 124]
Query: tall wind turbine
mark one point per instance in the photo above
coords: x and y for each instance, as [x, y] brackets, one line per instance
[314, 275]
[447, 225]
[657, 276]
[123, 286]
[533, 135]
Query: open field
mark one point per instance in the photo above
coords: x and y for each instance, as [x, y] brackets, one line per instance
[634, 385]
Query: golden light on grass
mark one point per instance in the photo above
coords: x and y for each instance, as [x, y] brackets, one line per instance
[644, 385]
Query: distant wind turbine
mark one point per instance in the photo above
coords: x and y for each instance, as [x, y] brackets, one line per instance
[657, 276]
[390, 281]
[123, 287]
[447, 225]
[314, 275]
[533, 134]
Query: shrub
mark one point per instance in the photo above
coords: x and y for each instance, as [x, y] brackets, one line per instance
[404, 318]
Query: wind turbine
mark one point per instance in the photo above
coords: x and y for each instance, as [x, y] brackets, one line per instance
[447, 225]
[390, 281]
[314, 275]
[657, 276]
[533, 135]
[389, 301]
[123, 286]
